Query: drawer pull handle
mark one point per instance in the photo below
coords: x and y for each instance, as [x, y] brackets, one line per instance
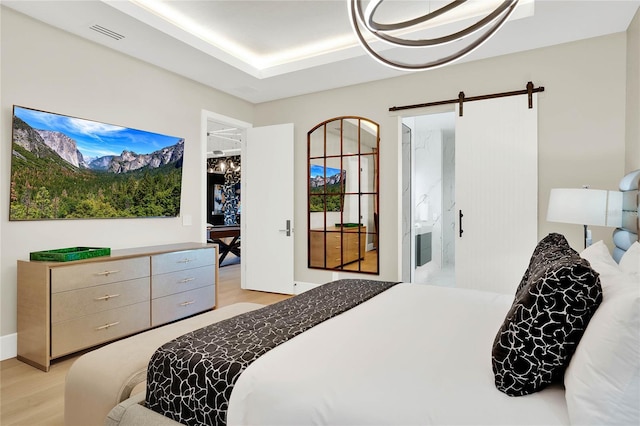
[186, 280]
[191, 302]
[107, 273]
[106, 326]
[185, 260]
[107, 297]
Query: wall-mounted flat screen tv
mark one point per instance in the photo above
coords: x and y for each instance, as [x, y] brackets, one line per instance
[65, 167]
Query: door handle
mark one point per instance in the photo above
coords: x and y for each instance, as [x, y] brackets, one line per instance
[287, 229]
[460, 231]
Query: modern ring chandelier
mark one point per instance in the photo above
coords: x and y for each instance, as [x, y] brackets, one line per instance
[364, 22]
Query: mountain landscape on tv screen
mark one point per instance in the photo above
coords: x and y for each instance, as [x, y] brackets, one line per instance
[52, 179]
[322, 187]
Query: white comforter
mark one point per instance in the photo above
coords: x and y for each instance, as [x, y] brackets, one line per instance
[416, 354]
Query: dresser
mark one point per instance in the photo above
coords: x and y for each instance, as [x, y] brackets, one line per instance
[65, 307]
[344, 245]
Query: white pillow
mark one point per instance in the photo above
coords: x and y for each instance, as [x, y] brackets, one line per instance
[602, 380]
[630, 261]
[598, 256]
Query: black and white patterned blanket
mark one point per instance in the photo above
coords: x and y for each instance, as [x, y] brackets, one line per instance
[190, 378]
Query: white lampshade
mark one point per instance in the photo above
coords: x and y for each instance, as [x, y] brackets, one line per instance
[614, 209]
[585, 206]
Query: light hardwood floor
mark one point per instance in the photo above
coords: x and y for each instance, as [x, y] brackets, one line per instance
[31, 397]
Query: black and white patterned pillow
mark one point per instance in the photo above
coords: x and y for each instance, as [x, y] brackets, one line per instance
[552, 307]
[551, 248]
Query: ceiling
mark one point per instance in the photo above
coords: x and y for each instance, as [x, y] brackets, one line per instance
[263, 50]
[251, 49]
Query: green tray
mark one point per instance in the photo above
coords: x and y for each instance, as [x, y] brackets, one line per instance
[71, 253]
[348, 225]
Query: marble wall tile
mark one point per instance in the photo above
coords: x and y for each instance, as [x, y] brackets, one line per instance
[429, 197]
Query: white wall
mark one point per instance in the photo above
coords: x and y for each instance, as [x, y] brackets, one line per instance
[581, 127]
[633, 95]
[48, 69]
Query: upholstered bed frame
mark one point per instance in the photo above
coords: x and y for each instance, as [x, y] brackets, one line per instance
[628, 233]
[115, 375]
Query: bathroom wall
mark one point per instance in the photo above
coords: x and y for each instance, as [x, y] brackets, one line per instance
[427, 192]
[431, 186]
[448, 199]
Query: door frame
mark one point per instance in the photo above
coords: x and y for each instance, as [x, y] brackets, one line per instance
[207, 116]
[418, 112]
[269, 230]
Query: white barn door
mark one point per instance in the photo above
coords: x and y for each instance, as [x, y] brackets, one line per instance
[496, 192]
[267, 209]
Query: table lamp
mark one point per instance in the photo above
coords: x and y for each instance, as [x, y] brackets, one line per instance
[585, 206]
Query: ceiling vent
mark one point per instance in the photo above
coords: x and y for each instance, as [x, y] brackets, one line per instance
[106, 31]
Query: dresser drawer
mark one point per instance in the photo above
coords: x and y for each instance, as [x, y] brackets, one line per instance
[333, 245]
[354, 246]
[170, 308]
[67, 305]
[64, 278]
[179, 281]
[179, 260]
[80, 333]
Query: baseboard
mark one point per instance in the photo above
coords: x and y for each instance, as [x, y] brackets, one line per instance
[301, 287]
[8, 346]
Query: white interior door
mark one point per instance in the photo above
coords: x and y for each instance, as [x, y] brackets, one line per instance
[267, 209]
[496, 192]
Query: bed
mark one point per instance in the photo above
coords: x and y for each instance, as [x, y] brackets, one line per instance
[421, 354]
[412, 355]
